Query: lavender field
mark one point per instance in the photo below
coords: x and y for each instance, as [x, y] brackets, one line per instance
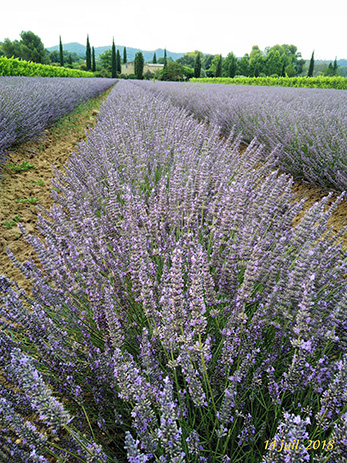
[305, 129]
[28, 105]
[179, 317]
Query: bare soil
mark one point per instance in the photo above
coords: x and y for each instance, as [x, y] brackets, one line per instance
[58, 144]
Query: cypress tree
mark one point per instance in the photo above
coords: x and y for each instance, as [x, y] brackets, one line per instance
[114, 61]
[154, 58]
[197, 66]
[310, 69]
[139, 62]
[335, 66]
[93, 59]
[118, 62]
[125, 55]
[219, 67]
[88, 55]
[165, 58]
[61, 55]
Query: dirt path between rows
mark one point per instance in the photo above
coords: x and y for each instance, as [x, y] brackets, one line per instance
[59, 143]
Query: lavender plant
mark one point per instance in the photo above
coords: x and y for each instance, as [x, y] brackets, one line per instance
[178, 317]
[28, 105]
[309, 125]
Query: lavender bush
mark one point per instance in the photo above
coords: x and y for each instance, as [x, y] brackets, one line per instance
[309, 125]
[179, 317]
[28, 105]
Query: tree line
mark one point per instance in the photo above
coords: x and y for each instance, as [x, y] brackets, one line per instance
[279, 60]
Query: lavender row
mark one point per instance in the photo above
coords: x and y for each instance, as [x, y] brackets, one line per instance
[307, 127]
[180, 317]
[28, 105]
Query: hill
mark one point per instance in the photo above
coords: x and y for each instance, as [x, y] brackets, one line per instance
[75, 47]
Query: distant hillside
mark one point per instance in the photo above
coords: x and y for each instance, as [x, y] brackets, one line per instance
[340, 62]
[75, 47]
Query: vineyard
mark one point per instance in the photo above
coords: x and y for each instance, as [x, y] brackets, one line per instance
[172, 312]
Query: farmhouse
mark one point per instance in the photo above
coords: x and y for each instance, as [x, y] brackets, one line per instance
[129, 68]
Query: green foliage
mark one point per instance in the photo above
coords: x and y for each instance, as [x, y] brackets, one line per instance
[30, 200]
[336, 82]
[93, 60]
[311, 67]
[161, 60]
[61, 53]
[216, 66]
[189, 58]
[173, 71]
[113, 60]
[69, 58]
[206, 62]
[243, 66]
[154, 61]
[22, 167]
[256, 64]
[88, 55]
[331, 70]
[197, 65]
[118, 62]
[11, 224]
[106, 60]
[125, 55]
[139, 63]
[39, 182]
[165, 58]
[17, 67]
[229, 65]
[29, 48]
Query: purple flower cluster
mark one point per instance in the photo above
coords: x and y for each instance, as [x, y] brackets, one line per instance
[178, 311]
[307, 126]
[288, 444]
[28, 105]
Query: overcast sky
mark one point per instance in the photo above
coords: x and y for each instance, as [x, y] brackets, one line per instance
[211, 26]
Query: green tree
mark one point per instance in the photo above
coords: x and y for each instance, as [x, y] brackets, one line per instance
[161, 60]
[331, 70]
[114, 61]
[93, 60]
[255, 61]
[29, 48]
[165, 58]
[173, 71]
[311, 67]
[88, 55]
[219, 67]
[106, 60]
[216, 66]
[243, 66]
[292, 62]
[229, 65]
[273, 63]
[138, 64]
[125, 55]
[154, 61]
[61, 52]
[206, 62]
[188, 59]
[197, 65]
[118, 62]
